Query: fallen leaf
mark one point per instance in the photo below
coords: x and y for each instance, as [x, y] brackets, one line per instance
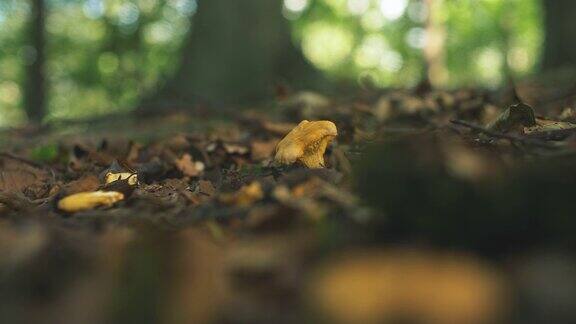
[85, 184]
[188, 166]
[514, 118]
[245, 196]
[550, 129]
[262, 150]
[206, 187]
[277, 128]
[17, 174]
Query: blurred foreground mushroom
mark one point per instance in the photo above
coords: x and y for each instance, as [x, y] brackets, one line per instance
[306, 143]
[89, 200]
[409, 286]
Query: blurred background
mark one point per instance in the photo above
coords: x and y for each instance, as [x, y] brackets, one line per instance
[416, 219]
[70, 59]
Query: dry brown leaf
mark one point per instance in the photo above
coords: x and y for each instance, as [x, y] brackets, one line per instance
[262, 150]
[85, 184]
[17, 175]
[545, 125]
[277, 128]
[188, 166]
[206, 187]
[245, 196]
[133, 152]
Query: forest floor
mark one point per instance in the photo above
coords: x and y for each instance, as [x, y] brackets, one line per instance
[433, 207]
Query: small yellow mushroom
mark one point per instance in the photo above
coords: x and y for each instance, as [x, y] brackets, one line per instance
[131, 177]
[306, 143]
[245, 196]
[89, 200]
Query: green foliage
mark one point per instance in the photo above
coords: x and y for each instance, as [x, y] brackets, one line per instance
[489, 34]
[384, 40]
[102, 54]
[44, 153]
[12, 52]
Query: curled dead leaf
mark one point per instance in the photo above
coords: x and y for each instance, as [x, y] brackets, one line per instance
[514, 118]
[89, 200]
[188, 166]
[306, 143]
[520, 118]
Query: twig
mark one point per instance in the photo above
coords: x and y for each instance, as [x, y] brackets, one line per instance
[513, 138]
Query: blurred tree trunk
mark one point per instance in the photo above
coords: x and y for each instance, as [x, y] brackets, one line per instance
[236, 52]
[35, 85]
[560, 28]
[434, 50]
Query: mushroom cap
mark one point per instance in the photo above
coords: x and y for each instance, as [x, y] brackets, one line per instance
[89, 200]
[306, 143]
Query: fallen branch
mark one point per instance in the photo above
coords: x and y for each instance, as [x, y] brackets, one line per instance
[513, 138]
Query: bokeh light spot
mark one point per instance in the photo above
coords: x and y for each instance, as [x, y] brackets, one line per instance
[519, 59]
[128, 14]
[327, 45]
[296, 6]
[10, 93]
[371, 51]
[489, 65]
[393, 9]
[391, 61]
[416, 37]
[418, 12]
[358, 7]
[372, 20]
[185, 7]
[160, 32]
[94, 9]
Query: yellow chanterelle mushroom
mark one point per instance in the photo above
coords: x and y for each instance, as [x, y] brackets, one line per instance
[89, 200]
[306, 143]
[132, 178]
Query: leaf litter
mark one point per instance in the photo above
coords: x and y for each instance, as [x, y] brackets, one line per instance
[267, 217]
